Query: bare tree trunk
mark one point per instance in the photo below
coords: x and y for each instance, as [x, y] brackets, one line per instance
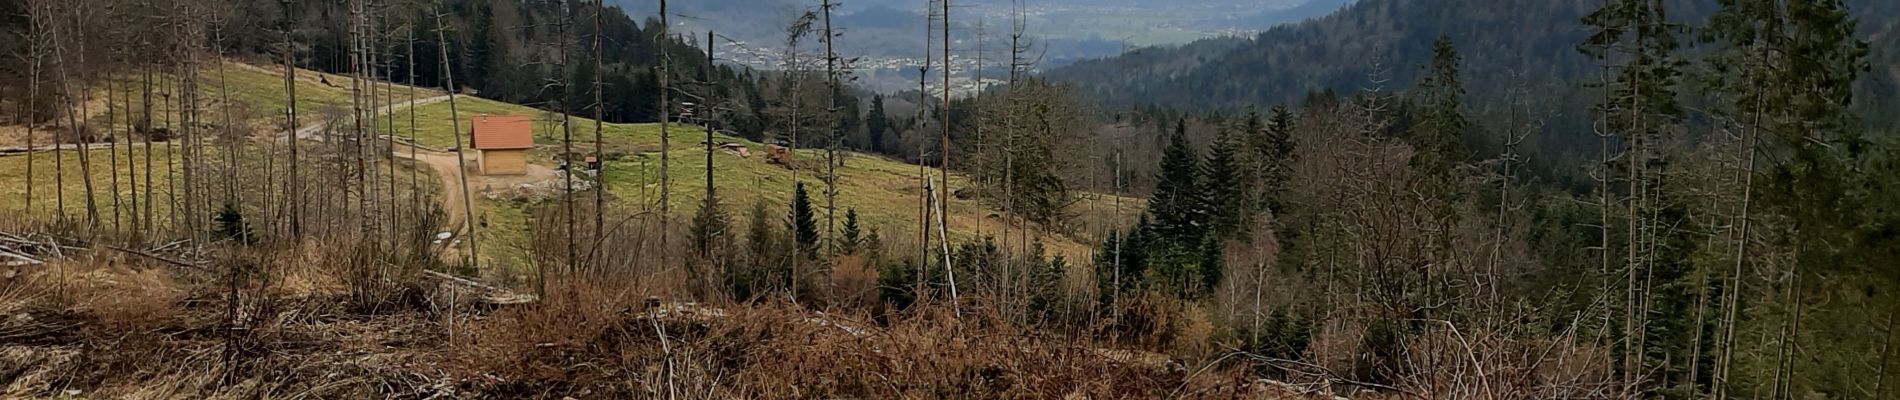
[415, 170]
[171, 155]
[567, 144]
[387, 54]
[706, 249]
[1736, 283]
[233, 146]
[358, 59]
[293, 184]
[112, 150]
[131, 171]
[1120, 234]
[192, 150]
[984, 180]
[59, 155]
[76, 107]
[1631, 364]
[1602, 128]
[600, 174]
[923, 157]
[943, 240]
[944, 156]
[831, 144]
[146, 117]
[37, 38]
[85, 141]
[1018, 47]
[666, 145]
[455, 127]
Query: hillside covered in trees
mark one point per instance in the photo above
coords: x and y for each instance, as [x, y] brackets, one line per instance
[1514, 43]
[1615, 199]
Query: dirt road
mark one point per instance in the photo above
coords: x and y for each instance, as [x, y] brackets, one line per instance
[447, 168]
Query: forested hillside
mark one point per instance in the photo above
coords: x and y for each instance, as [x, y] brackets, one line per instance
[1452, 199]
[1512, 43]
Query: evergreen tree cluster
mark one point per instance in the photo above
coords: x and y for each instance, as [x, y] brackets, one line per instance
[1199, 203]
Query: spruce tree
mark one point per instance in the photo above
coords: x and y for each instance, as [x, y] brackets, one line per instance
[1790, 69]
[1640, 106]
[1046, 278]
[1442, 121]
[850, 237]
[231, 225]
[1128, 249]
[800, 223]
[709, 226]
[1229, 190]
[1179, 215]
[876, 124]
[873, 247]
[1212, 267]
[1273, 145]
[766, 267]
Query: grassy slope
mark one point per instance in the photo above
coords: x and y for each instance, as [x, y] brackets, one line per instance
[251, 88]
[883, 191]
[257, 91]
[13, 181]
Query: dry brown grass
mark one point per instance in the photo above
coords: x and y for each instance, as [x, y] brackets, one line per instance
[106, 326]
[349, 316]
[587, 338]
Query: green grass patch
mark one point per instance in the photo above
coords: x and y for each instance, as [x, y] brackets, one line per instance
[883, 191]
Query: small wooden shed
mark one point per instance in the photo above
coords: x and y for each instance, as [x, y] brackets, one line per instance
[501, 143]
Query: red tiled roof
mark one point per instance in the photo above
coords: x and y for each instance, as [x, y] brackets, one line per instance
[501, 132]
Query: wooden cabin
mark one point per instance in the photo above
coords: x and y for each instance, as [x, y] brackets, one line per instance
[501, 143]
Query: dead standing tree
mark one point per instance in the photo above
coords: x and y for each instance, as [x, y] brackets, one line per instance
[795, 33]
[923, 156]
[600, 187]
[37, 37]
[559, 81]
[833, 128]
[63, 32]
[455, 129]
[293, 193]
[666, 137]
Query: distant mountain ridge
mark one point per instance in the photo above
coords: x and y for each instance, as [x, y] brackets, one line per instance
[1063, 29]
[1309, 10]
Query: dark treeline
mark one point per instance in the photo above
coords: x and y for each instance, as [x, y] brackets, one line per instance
[1509, 41]
[502, 50]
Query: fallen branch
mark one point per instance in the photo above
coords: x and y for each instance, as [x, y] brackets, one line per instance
[462, 281]
[1323, 372]
[490, 294]
[21, 257]
[152, 256]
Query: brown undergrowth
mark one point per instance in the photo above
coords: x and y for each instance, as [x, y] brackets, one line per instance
[105, 324]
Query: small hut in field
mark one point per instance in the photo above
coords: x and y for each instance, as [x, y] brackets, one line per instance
[501, 143]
